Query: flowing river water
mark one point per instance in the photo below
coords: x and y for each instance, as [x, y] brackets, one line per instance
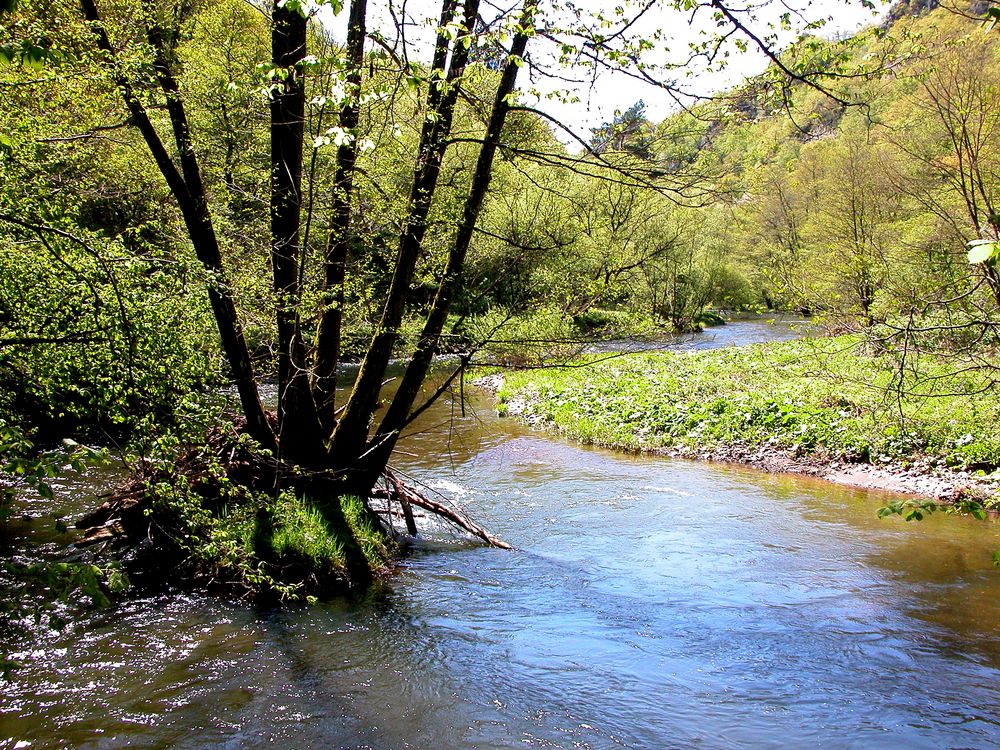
[650, 603]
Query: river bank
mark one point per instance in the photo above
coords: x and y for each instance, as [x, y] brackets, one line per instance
[821, 407]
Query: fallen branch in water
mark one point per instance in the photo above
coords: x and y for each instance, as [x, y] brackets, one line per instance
[406, 495]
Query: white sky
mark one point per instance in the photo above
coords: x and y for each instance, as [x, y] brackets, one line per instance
[617, 91]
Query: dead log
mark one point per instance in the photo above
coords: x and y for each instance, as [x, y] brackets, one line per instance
[407, 495]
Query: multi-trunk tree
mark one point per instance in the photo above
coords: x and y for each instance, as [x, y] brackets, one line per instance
[312, 429]
[349, 440]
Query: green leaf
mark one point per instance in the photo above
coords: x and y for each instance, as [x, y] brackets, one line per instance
[293, 6]
[117, 581]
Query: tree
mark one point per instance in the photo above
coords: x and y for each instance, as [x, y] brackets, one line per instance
[622, 231]
[311, 431]
[469, 112]
[952, 139]
[852, 230]
[629, 131]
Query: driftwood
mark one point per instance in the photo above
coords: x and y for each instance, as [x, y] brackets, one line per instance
[114, 520]
[406, 496]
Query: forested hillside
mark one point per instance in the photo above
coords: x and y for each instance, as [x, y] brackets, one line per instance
[858, 200]
[866, 211]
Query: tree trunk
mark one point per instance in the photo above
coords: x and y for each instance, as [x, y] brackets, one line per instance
[328, 337]
[351, 433]
[299, 436]
[396, 417]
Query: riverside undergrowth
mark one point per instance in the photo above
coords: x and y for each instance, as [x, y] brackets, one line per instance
[830, 398]
[208, 514]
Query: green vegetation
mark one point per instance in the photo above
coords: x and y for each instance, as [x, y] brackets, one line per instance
[299, 531]
[861, 206]
[828, 398]
[214, 518]
[286, 546]
[295, 533]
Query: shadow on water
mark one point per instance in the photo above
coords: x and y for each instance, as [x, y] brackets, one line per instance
[651, 603]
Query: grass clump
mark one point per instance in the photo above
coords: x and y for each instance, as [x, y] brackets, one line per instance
[293, 546]
[340, 540]
[366, 533]
[299, 530]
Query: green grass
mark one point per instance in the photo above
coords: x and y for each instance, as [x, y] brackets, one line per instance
[299, 530]
[289, 546]
[365, 534]
[824, 397]
[337, 542]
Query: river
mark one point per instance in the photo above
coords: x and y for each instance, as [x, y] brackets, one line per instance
[650, 603]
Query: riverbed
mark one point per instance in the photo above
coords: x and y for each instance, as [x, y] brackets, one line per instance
[650, 603]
